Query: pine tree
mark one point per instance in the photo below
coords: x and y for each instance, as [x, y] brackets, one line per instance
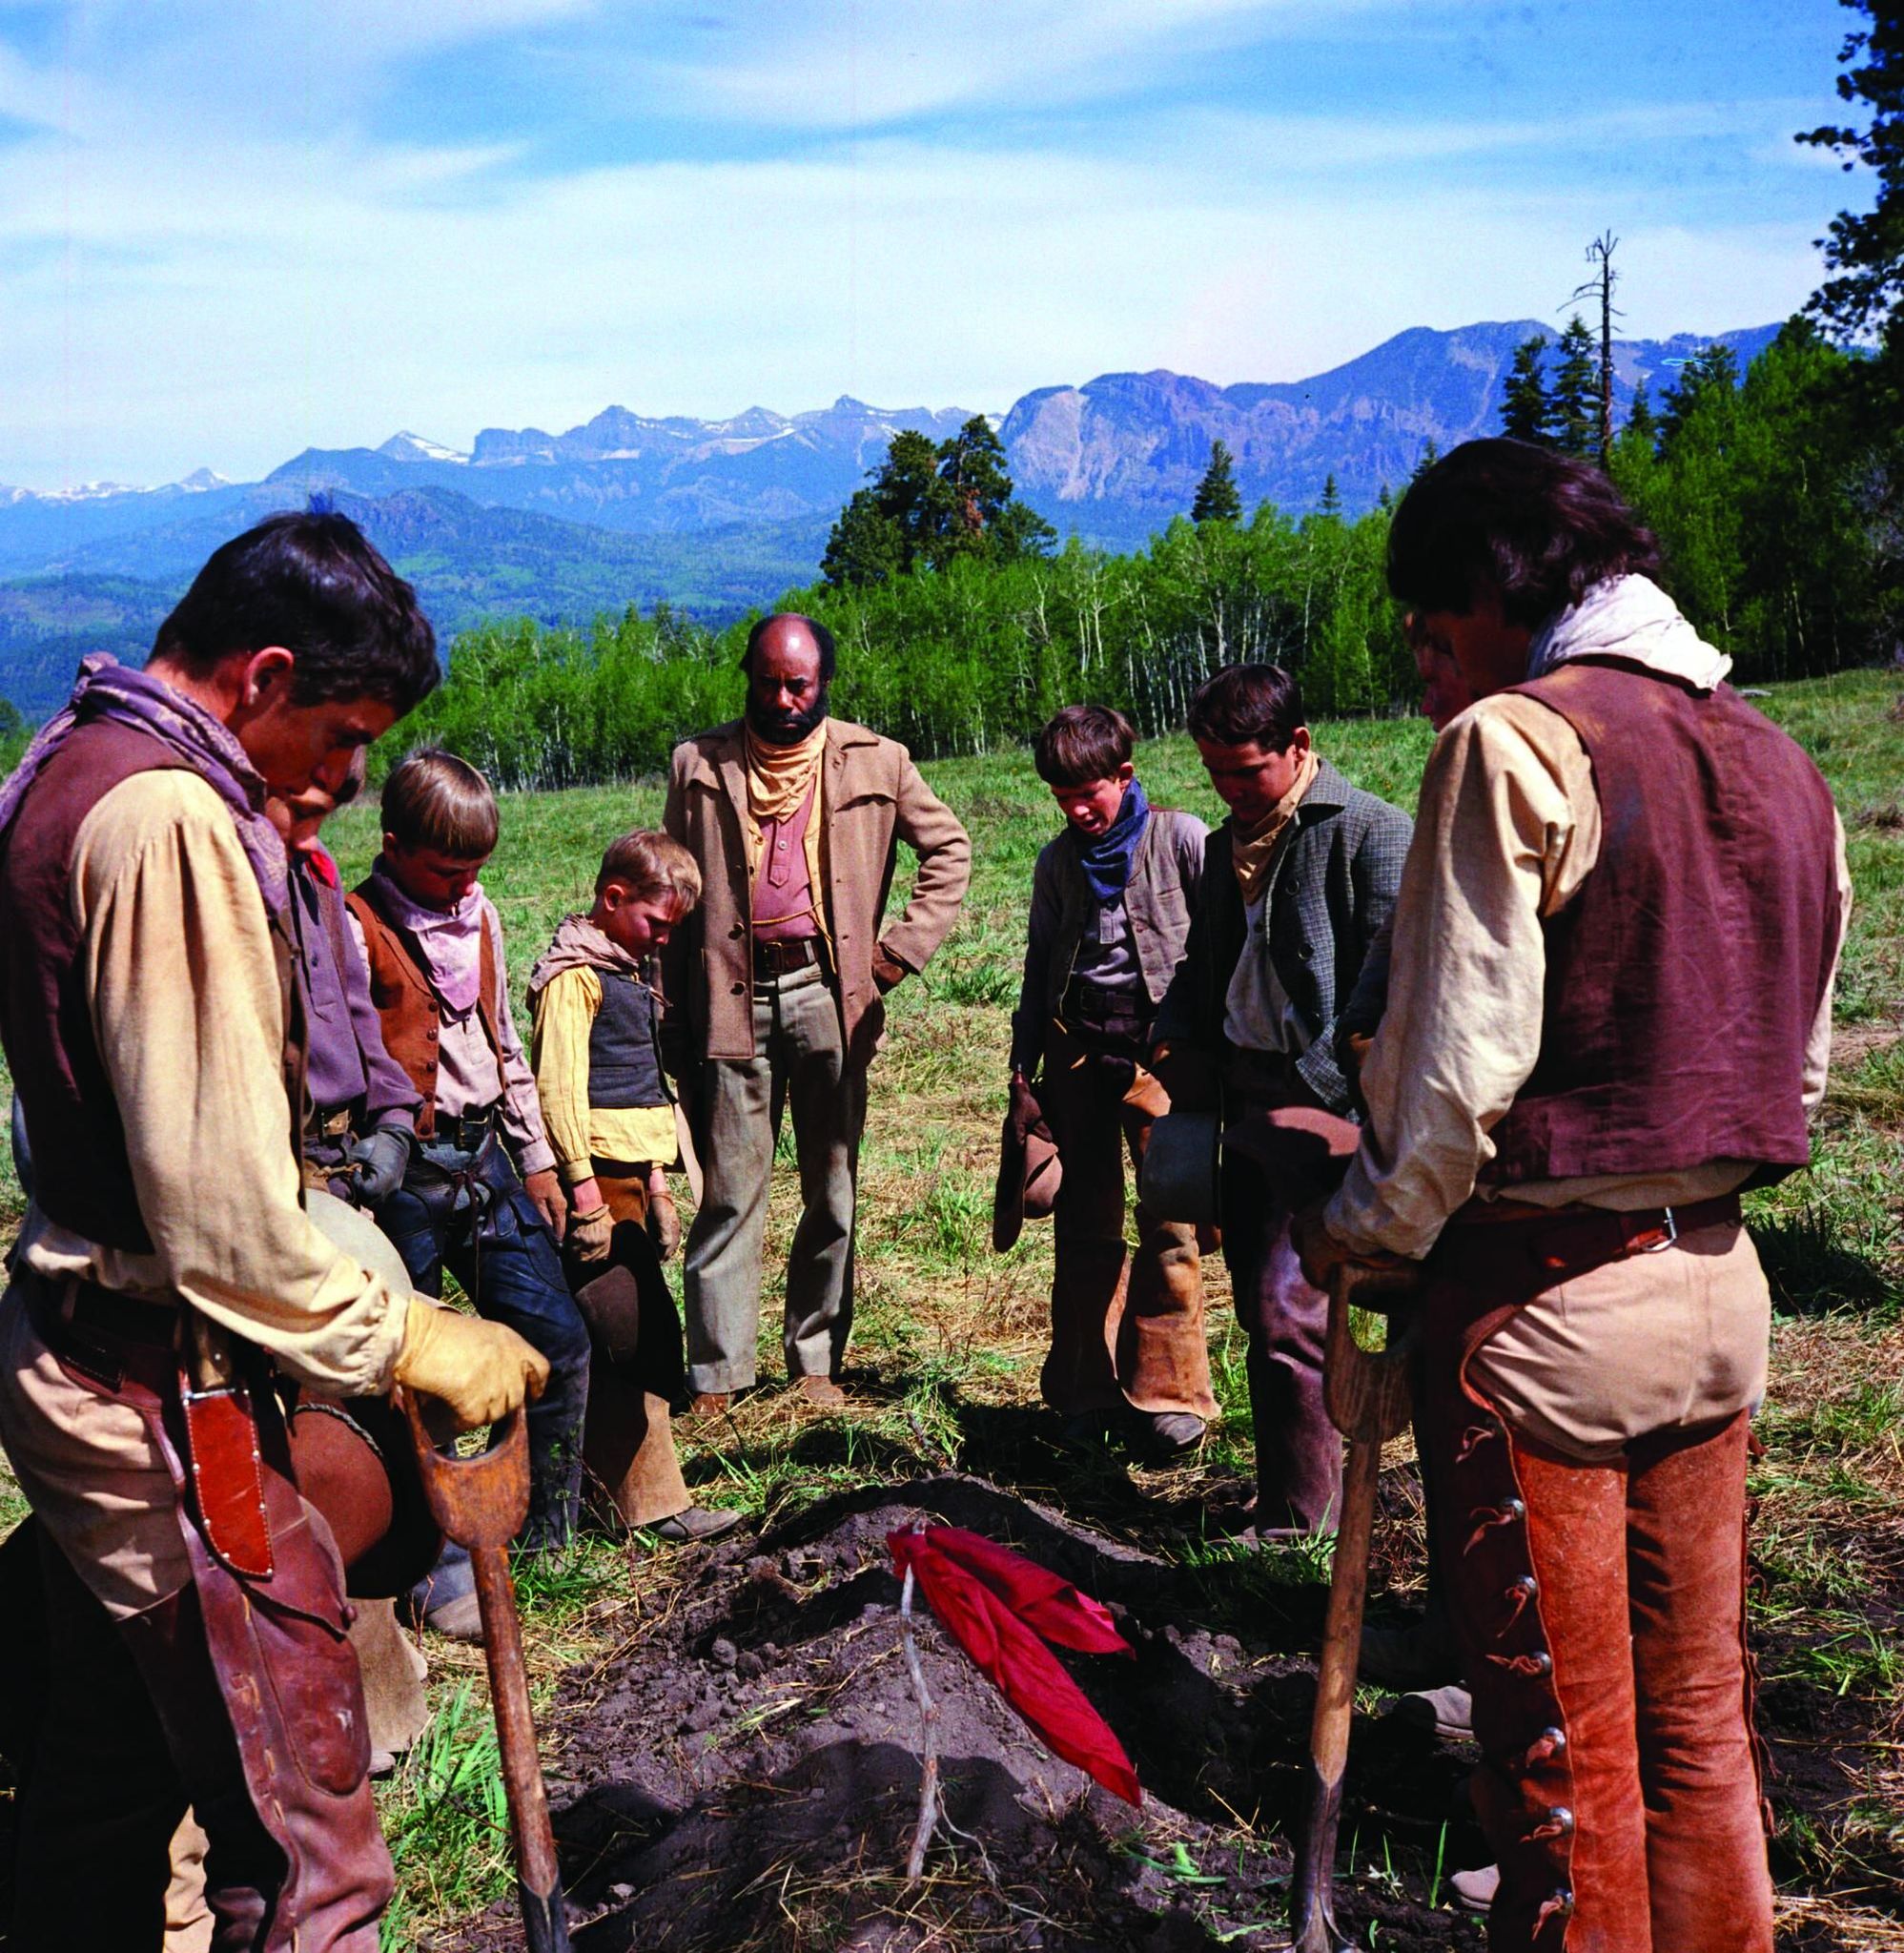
[1430, 455]
[1642, 422]
[1576, 389]
[1866, 250]
[927, 505]
[865, 546]
[1526, 413]
[1601, 287]
[1714, 371]
[1217, 498]
[1332, 496]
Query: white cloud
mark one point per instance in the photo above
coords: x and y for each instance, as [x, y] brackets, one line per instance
[836, 64]
[204, 266]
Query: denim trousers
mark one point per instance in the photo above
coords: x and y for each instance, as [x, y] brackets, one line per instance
[467, 1212]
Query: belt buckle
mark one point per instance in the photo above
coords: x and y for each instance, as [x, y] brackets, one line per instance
[1671, 1235]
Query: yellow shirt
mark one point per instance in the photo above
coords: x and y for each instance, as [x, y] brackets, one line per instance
[581, 1133]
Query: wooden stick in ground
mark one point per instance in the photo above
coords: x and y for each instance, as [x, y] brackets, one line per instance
[928, 1740]
[1368, 1401]
[481, 1504]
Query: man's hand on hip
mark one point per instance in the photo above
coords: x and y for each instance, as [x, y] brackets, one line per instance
[481, 1371]
[888, 971]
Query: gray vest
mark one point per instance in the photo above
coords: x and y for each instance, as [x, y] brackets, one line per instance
[623, 1056]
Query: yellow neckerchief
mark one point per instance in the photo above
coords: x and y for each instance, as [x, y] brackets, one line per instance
[779, 780]
[1252, 849]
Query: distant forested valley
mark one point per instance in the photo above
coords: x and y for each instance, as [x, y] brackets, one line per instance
[962, 625]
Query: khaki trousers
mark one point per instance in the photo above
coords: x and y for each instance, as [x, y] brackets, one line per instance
[1126, 1328]
[628, 1446]
[800, 1066]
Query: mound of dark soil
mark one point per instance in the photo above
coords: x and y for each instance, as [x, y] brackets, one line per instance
[747, 1775]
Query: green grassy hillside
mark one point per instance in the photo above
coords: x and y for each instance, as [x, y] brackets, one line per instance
[946, 1352]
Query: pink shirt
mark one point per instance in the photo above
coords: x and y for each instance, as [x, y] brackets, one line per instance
[783, 887]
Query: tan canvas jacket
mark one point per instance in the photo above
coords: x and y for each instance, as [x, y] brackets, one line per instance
[872, 797]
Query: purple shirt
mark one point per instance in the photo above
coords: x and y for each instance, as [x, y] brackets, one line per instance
[345, 1060]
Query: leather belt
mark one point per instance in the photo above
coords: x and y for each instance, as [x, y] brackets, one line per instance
[103, 1334]
[1571, 1241]
[335, 1126]
[782, 956]
[465, 1131]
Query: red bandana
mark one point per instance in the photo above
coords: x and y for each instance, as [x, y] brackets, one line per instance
[996, 1604]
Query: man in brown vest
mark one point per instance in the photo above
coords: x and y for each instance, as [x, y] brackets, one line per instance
[167, 1288]
[1609, 1012]
[776, 989]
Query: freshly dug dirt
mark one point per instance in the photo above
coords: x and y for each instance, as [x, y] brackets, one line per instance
[745, 1774]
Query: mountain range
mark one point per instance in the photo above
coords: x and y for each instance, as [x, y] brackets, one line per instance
[718, 516]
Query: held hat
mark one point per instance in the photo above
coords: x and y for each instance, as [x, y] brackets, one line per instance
[1029, 1173]
[614, 1295]
[1178, 1178]
[1302, 1149]
[353, 1459]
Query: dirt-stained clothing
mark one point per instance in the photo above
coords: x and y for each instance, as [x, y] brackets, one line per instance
[182, 979]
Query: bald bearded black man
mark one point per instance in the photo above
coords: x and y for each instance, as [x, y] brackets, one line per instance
[776, 989]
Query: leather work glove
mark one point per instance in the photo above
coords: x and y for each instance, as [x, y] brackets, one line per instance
[381, 1159]
[663, 1225]
[1022, 1107]
[589, 1234]
[1323, 1257]
[544, 1188]
[481, 1370]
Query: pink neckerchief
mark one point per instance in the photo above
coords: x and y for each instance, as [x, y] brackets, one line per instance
[450, 940]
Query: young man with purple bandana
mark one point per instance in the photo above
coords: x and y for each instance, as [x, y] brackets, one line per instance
[167, 1286]
[1111, 905]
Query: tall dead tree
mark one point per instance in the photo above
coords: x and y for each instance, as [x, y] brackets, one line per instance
[1601, 286]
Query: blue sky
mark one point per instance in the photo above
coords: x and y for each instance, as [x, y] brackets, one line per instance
[230, 229]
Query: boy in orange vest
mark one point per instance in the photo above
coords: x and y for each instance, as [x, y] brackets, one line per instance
[480, 1195]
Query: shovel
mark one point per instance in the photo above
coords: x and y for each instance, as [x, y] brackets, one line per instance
[1367, 1395]
[481, 1504]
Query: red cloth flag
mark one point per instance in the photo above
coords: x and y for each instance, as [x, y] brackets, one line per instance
[995, 1604]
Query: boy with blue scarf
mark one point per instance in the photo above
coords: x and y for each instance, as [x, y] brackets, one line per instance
[1111, 904]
